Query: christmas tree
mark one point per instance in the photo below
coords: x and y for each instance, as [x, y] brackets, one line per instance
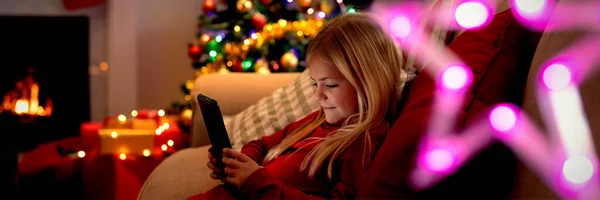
[260, 36]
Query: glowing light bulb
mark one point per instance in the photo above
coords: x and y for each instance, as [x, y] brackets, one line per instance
[122, 118]
[310, 11]
[170, 143]
[166, 126]
[81, 154]
[455, 77]
[146, 152]
[557, 76]
[502, 118]
[471, 14]
[400, 27]
[530, 7]
[122, 156]
[161, 112]
[158, 131]
[578, 169]
[439, 160]
[321, 14]
[114, 134]
[163, 147]
[134, 113]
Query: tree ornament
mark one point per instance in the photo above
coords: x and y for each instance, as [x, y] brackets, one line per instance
[237, 66]
[244, 5]
[194, 52]
[208, 6]
[289, 60]
[304, 3]
[259, 21]
[265, 2]
[327, 6]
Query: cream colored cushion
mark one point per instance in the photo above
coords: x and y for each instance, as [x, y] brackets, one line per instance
[272, 113]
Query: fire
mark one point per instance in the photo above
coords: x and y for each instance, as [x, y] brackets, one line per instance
[24, 99]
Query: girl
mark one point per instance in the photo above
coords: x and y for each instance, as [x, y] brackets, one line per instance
[356, 69]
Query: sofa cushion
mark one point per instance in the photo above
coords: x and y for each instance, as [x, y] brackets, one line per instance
[272, 113]
[499, 56]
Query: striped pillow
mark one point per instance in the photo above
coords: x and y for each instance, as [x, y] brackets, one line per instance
[285, 105]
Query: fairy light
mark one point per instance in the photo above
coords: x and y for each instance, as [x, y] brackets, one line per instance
[237, 28]
[81, 154]
[161, 113]
[471, 14]
[321, 14]
[170, 143]
[158, 131]
[578, 169]
[122, 118]
[103, 66]
[114, 134]
[310, 11]
[166, 126]
[455, 77]
[146, 152]
[122, 156]
[134, 113]
[163, 147]
[400, 26]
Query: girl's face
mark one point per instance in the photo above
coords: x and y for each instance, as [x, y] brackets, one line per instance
[334, 93]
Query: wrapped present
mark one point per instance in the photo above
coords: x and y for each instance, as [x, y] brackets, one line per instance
[126, 141]
[143, 133]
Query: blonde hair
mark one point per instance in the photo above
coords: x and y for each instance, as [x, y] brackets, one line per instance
[368, 58]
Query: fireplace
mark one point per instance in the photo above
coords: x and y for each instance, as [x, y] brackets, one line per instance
[44, 79]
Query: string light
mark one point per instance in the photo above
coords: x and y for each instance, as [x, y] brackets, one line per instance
[81, 154]
[163, 147]
[321, 14]
[103, 66]
[114, 134]
[122, 118]
[146, 152]
[161, 113]
[310, 11]
[134, 113]
[170, 143]
[158, 131]
[166, 126]
[122, 156]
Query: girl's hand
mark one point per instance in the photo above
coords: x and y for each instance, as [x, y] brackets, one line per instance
[212, 162]
[238, 166]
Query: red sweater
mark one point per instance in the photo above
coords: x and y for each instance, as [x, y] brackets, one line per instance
[281, 177]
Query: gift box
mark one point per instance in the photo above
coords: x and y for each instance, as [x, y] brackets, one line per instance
[143, 133]
[126, 141]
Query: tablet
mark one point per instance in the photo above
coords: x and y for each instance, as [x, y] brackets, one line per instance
[215, 127]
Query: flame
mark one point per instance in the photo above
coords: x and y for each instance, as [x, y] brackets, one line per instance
[24, 99]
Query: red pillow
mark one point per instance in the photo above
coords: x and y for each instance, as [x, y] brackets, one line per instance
[499, 56]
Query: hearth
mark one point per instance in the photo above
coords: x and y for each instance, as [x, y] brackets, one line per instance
[44, 79]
